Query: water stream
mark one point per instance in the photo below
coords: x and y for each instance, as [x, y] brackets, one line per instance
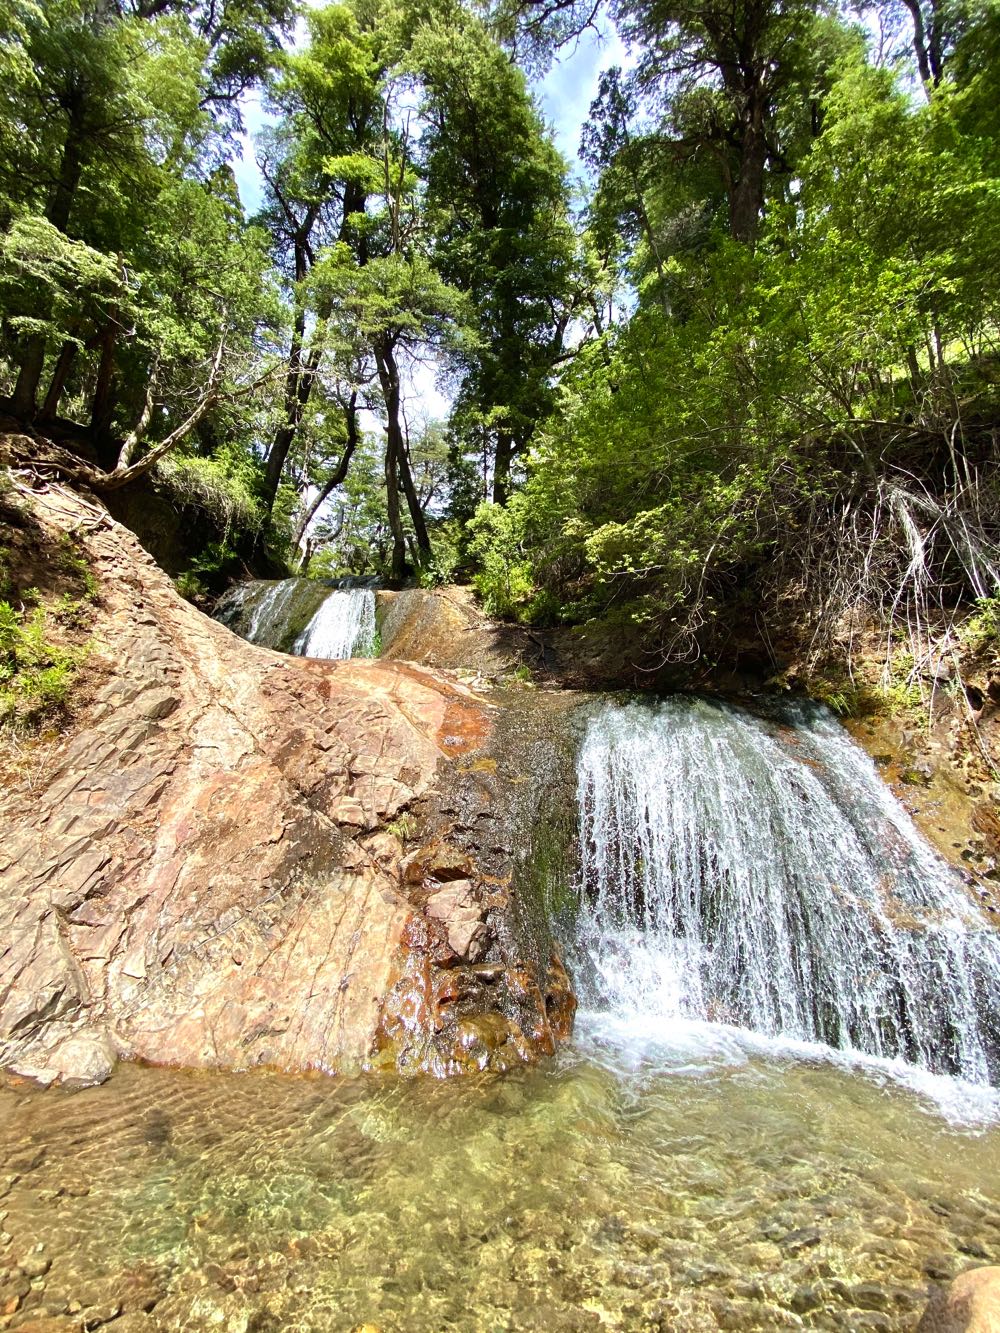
[775, 1113]
[750, 881]
[303, 617]
[344, 626]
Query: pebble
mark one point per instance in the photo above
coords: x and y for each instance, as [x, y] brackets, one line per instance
[34, 1265]
[870, 1296]
[96, 1315]
[805, 1299]
[802, 1239]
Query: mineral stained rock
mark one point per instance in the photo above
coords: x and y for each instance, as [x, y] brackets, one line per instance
[216, 865]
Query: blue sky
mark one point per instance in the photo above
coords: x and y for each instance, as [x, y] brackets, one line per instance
[569, 88]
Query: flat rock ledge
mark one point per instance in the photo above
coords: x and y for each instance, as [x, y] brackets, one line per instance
[217, 865]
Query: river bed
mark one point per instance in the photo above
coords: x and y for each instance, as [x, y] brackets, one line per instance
[622, 1186]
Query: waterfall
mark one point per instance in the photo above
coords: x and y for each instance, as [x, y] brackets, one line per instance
[302, 616]
[267, 612]
[754, 873]
[344, 626]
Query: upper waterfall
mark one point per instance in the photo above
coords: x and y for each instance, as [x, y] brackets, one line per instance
[757, 873]
[302, 616]
[344, 626]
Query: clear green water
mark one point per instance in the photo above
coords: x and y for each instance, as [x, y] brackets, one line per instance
[759, 1193]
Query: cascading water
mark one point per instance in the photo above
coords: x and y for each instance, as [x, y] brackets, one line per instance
[755, 874]
[344, 626]
[269, 610]
[302, 616]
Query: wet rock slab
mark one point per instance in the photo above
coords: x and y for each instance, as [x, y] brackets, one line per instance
[207, 870]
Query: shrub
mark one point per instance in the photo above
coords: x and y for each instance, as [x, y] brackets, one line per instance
[35, 674]
[503, 580]
[210, 485]
[446, 555]
[190, 587]
[983, 627]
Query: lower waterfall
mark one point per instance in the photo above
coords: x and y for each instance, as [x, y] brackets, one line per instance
[752, 874]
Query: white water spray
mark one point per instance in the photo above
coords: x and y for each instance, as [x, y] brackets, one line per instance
[749, 875]
[344, 626]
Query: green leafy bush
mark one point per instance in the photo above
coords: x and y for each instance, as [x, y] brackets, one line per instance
[445, 557]
[214, 486]
[503, 581]
[190, 586]
[36, 675]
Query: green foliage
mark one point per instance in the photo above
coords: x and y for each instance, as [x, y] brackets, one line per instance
[190, 587]
[503, 579]
[36, 674]
[73, 562]
[498, 202]
[404, 826]
[446, 555]
[982, 628]
[765, 434]
[761, 386]
[215, 486]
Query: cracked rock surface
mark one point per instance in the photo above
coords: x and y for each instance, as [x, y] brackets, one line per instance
[215, 867]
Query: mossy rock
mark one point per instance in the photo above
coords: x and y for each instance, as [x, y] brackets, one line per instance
[272, 612]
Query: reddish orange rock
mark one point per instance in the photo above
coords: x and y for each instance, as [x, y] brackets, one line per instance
[209, 873]
[970, 1304]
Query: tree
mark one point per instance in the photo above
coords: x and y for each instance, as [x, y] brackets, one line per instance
[128, 267]
[498, 200]
[330, 105]
[723, 74]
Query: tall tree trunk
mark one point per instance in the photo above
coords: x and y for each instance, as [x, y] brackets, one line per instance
[501, 467]
[299, 383]
[300, 375]
[103, 406]
[281, 442]
[32, 364]
[57, 212]
[413, 500]
[340, 473]
[388, 375]
[58, 382]
[398, 571]
[927, 43]
[746, 198]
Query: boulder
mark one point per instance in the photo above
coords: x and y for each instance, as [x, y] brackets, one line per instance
[969, 1304]
[207, 869]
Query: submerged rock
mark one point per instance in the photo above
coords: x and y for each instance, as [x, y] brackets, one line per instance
[970, 1304]
[234, 860]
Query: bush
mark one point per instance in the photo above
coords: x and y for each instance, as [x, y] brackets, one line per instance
[503, 580]
[35, 674]
[446, 555]
[983, 627]
[210, 485]
[190, 587]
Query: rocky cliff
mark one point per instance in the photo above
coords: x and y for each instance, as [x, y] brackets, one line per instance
[235, 858]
